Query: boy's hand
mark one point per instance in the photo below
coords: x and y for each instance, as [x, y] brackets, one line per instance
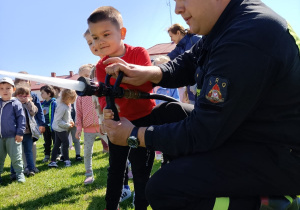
[78, 134]
[133, 74]
[72, 124]
[117, 131]
[102, 131]
[18, 138]
[42, 129]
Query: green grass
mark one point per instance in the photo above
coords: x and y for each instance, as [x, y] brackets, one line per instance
[60, 188]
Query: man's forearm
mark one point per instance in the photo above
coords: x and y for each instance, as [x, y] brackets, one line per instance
[155, 74]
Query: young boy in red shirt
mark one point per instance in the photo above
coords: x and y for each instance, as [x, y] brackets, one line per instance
[106, 27]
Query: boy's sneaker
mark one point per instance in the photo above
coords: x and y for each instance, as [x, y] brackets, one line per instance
[26, 171]
[67, 163]
[133, 200]
[30, 173]
[20, 178]
[53, 164]
[13, 177]
[46, 159]
[89, 180]
[126, 193]
[36, 170]
[78, 158]
[61, 159]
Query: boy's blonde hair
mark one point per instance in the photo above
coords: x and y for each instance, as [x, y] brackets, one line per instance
[86, 67]
[160, 60]
[67, 95]
[106, 13]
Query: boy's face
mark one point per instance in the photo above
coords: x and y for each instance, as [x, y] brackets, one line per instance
[6, 91]
[89, 40]
[108, 38]
[46, 96]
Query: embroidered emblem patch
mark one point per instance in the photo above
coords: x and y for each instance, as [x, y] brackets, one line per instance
[216, 91]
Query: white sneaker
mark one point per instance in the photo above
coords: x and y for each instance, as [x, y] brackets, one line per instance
[126, 193]
[67, 163]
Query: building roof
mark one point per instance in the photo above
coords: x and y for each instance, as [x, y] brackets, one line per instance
[161, 49]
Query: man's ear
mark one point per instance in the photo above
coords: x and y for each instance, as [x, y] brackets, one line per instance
[123, 33]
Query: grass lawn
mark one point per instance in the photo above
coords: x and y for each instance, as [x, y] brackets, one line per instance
[60, 188]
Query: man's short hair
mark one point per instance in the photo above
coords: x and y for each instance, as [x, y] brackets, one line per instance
[106, 13]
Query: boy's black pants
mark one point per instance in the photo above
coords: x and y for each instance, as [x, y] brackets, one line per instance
[48, 137]
[141, 159]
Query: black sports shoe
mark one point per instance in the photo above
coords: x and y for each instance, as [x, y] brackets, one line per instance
[78, 158]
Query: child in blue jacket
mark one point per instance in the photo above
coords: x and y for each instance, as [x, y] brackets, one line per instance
[12, 127]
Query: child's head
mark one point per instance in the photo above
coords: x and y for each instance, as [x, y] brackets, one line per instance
[68, 96]
[47, 92]
[160, 60]
[57, 91]
[89, 39]
[23, 91]
[7, 88]
[85, 70]
[176, 32]
[17, 80]
[107, 31]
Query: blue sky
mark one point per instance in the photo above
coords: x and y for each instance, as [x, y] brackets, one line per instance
[41, 37]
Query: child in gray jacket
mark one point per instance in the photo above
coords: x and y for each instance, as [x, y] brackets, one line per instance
[61, 125]
[12, 127]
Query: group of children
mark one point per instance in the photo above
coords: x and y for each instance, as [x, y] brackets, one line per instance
[105, 37]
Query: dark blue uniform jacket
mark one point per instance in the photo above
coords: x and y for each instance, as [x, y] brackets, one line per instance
[248, 70]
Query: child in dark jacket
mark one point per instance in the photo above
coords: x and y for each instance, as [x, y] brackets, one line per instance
[48, 106]
[12, 126]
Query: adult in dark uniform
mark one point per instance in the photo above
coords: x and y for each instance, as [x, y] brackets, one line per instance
[242, 139]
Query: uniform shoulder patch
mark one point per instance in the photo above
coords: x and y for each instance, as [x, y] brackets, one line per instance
[216, 90]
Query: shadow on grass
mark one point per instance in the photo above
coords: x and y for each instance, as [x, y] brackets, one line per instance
[64, 196]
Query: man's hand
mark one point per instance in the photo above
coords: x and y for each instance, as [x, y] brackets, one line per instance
[18, 138]
[133, 74]
[117, 131]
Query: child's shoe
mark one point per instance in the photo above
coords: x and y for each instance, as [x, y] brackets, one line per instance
[89, 180]
[78, 158]
[26, 171]
[61, 159]
[20, 177]
[126, 193]
[13, 177]
[46, 159]
[67, 163]
[53, 164]
[30, 173]
[36, 170]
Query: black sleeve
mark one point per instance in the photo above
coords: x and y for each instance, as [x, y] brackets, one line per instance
[242, 74]
[180, 71]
